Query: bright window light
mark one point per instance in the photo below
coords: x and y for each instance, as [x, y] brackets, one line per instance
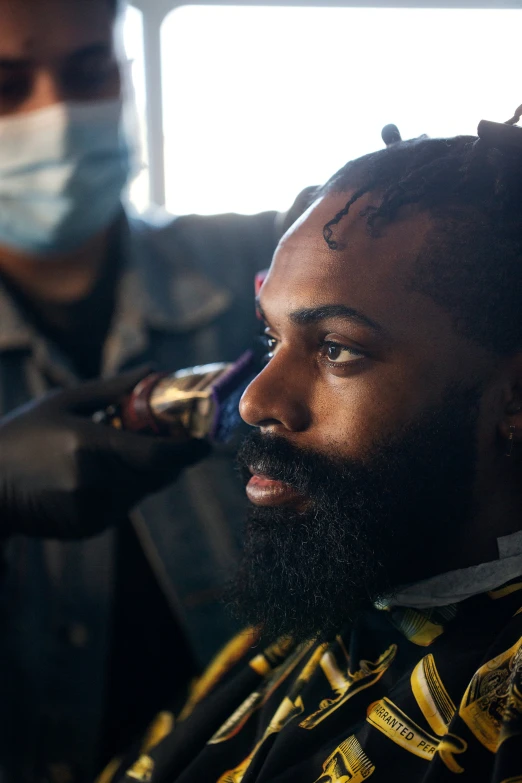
[139, 189]
[260, 102]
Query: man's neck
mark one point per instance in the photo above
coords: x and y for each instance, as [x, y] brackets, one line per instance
[63, 279]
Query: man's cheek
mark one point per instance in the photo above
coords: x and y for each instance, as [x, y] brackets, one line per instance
[345, 427]
[348, 421]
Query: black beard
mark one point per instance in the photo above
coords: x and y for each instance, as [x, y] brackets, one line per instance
[370, 526]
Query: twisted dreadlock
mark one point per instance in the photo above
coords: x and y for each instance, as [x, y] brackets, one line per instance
[472, 261]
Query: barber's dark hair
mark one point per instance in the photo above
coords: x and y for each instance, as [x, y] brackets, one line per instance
[471, 263]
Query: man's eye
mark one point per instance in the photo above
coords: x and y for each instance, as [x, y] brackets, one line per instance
[340, 354]
[269, 344]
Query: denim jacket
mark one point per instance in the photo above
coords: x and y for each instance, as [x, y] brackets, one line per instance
[185, 297]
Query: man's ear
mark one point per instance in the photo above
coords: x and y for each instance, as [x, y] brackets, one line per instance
[511, 423]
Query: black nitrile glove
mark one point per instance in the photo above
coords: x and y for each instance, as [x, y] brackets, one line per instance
[64, 476]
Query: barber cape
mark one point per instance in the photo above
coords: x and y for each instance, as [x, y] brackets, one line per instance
[402, 694]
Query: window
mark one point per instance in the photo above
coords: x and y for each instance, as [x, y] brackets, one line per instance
[136, 104]
[261, 101]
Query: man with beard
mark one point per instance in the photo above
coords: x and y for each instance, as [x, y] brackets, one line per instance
[383, 550]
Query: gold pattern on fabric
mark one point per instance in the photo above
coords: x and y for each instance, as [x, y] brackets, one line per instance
[492, 704]
[237, 720]
[291, 707]
[431, 695]
[346, 683]
[516, 779]
[224, 660]
[273, 656]
[450, 746]
[257, 699]
[347, 764]
[417, 627]
[160, 728]
[142, 770]
[503, 591]
[109, 772]
[385, 716]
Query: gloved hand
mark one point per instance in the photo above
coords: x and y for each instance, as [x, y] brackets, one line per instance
[64, 476]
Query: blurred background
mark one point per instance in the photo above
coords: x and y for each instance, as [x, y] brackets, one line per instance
[267, 100]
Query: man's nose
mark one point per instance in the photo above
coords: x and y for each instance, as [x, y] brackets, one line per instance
[276, 398]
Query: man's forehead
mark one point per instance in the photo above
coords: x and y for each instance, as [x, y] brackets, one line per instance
[372, 276]
[391, 254]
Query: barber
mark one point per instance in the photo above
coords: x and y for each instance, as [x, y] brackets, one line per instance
[64, 477]
[88, 291]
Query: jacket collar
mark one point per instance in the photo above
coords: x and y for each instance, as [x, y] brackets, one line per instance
[163, 280]
[158, 289]
[456, 586]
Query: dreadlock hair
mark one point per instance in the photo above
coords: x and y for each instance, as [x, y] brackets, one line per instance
[471, 263]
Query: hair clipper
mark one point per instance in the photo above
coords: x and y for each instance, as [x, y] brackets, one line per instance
[201, 402]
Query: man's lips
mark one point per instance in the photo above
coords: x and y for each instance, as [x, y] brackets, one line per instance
[264, 491]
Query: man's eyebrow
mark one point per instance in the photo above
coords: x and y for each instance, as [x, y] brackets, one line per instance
[309, 315]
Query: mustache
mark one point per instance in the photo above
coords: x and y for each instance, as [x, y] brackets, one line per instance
[276, 458]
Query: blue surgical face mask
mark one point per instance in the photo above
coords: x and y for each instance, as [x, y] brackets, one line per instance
[62, 171]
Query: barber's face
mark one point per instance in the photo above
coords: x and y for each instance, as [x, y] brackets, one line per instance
[374, 422]
[53, 51]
